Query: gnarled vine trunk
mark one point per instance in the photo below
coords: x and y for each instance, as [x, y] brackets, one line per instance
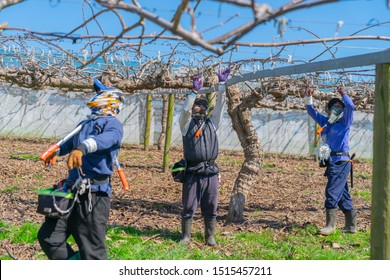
[240, 112]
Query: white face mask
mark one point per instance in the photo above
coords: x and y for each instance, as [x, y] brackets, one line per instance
[335, 114]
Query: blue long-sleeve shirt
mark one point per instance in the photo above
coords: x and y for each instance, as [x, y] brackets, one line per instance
[337, 134]
[102, 137]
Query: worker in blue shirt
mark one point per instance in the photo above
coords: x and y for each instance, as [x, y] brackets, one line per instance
[92, 154]
[335, 133]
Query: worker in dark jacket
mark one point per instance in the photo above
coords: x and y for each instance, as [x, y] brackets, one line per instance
[335, 133]
[92, 154]
[200, 145]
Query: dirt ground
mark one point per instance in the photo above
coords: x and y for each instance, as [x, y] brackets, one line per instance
[289, 191]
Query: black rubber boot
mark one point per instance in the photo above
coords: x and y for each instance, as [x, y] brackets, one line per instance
[331, 218]
[209, 231]
[76, 256]
[350, 221]
[186, 224]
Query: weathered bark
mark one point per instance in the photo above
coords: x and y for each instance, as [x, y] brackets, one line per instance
[380, 214]
[167, 146]
[239, 110]
[148, 122]
[164, 115]
[212, 99]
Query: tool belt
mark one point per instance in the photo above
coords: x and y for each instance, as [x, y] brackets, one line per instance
[339, 154]
[326, 162]
[178, 171]
[350, 159]
[203, 168]
[100, 181]
[58, 201]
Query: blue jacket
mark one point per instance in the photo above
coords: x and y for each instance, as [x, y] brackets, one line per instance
[336, 134]
[102, 137]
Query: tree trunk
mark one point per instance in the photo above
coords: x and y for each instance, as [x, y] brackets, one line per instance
[241, 115]
[380, 213]
[164, 115]
[148, 120]
[167, 146]
[212, 99]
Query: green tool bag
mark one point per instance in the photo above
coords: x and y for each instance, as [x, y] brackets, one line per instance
[54, 203]
[178, 171]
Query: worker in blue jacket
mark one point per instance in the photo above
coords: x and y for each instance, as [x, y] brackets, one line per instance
[92, 154]
[335, 133]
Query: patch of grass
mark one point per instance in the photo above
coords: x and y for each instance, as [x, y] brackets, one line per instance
[36, 188]
[230, 160]
[127, 243]
[362, 175]
[25, 157]
[9, 189]
[39, 176]
[269, 165]
[298, 244]
[368, 160]
[301, 168]
[26, 234]
[366, 195]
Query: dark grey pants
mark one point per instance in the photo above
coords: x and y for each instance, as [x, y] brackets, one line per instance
[200, 190]
[87, 228]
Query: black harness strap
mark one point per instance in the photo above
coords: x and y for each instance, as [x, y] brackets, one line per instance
[339, 154]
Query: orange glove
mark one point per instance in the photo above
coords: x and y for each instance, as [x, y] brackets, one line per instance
[74, 160]
[51, 160]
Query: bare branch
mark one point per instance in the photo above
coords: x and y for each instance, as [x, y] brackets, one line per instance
[267, 15]
[7, 3]
[179, 11]
[313, 41]
[188, 36]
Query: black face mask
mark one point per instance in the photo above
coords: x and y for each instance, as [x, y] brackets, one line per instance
[201, 114]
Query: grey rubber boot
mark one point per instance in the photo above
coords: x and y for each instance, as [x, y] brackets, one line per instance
[209, 231]
[350, 221]
[331, 218]
[186, 224]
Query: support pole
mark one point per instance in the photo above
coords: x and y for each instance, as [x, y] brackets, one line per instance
[316, 136]
[168, 135]
[380, 213]
[148, 121]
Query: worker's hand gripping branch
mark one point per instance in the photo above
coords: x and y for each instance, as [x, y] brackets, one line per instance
[197, 84]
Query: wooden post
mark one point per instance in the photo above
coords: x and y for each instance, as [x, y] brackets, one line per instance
[316, 136]
[148, 121]
[312, 140]
[164, 115]
[380, 213]
[168, 135]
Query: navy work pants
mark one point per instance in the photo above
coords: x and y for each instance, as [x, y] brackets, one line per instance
[200, 190]
[336, 191]
[87, 228]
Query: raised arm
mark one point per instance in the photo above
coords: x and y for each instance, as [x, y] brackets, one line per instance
[349, 107]
[185, 116]
[221, 98]
[313, 113]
